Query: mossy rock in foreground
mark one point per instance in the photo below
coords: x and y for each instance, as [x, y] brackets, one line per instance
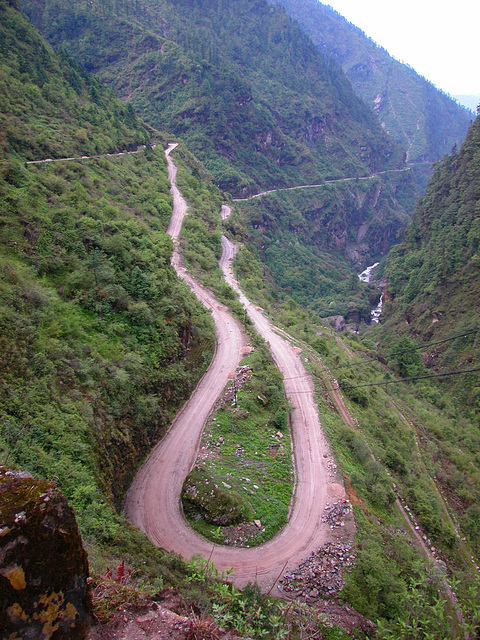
[44, 591]
[217, 505]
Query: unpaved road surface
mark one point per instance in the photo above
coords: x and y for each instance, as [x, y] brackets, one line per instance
[323, 184]
[101, 155]
[153, 501]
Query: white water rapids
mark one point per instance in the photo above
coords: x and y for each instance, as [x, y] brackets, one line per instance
[366, 276]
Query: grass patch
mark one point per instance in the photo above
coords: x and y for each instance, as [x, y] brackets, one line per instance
[246, 454]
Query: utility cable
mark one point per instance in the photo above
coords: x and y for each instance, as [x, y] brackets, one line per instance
[431, 375]
[424, 346]
[394, 353]
[384, 382]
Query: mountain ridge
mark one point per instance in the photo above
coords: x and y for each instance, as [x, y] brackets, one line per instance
[432, 287]
[423, 119]
[232, 80]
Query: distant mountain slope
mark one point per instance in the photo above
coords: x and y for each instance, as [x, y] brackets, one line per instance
[239, 81]
[99, 340]
[433, 287]
[424, 120]
[49, 106]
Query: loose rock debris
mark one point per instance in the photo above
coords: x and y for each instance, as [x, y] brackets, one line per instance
[242, 375]
[321, 574]
[336, 512]
[242, 534]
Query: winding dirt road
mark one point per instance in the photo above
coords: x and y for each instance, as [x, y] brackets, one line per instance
[101, 155]
[153, 501]
[323, 184]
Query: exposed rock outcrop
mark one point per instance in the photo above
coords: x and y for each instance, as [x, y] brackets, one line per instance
[43, 567]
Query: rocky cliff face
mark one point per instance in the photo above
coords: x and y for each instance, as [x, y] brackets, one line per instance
[421, 118]
[43, 567]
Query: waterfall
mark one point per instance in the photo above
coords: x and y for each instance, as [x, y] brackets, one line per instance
[366, 276]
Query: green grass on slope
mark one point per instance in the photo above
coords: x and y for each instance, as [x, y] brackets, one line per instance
[262, 408]
[49, 106]
[239, 81]
[433, 276]
[426, 447]
[101, 342]
[246, 452]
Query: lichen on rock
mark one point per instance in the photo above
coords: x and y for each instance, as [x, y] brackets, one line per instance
[43, 567]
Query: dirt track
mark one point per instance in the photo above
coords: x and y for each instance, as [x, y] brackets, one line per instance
[323, 184]
[153, 501]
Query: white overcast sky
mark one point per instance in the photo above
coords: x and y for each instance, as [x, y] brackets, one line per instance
[439, 39]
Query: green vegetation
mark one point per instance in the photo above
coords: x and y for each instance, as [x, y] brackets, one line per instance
[201, 495]
[424, 120]
[248, 92]
[245, 456]
[413, 436]
[200, 238]
[254, 99]
[308, 240]
[411, 440]
[49, 106]
[100, 342]
[433, 276]
[98, 330]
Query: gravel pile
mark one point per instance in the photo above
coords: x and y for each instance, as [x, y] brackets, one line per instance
[336, 512]
[321, 574]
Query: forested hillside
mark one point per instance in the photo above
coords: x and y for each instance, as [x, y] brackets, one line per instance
[239, 81]
[309, 240]
[49, 106]
[433, 290]
[100, 343]
[262, 107]
[425, 121]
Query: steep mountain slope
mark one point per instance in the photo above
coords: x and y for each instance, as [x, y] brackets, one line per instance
[425, 121]
[433, 290]
[248, 91]
[310, 239]
[262, 107]
[99, 341]
[50, 107]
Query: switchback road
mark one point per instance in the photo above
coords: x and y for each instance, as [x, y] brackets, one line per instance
[323, 184]
[153, 501]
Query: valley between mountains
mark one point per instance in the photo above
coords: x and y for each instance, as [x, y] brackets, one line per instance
[187, 352]
[153, 502]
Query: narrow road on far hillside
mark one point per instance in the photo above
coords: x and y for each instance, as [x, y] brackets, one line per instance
[153, 501]
[322, 184]
[100, 155]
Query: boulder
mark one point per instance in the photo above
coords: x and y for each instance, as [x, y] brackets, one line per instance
[44, 589]
[336, 322]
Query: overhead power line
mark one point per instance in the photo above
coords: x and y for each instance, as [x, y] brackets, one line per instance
[424, 346]
[431, 375]
[416, 348]
[400, 380]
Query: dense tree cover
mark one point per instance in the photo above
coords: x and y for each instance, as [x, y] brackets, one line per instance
[425, 121]
[99, 334]
[308, 240]
[49, 107]
[248, 91]
[258, 103]
[433, 275]
[100, 342]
